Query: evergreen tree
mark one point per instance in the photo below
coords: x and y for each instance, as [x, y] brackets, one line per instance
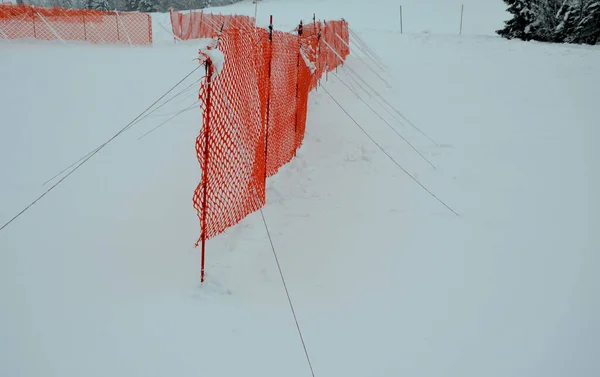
[19, 2]
[523, 25]
[147, 6]
[132, 5]
[101, 5]
[568, 16]
[588, 27]
[547, 19]
[164, 5]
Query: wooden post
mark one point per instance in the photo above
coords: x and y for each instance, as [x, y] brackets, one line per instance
[462, 11]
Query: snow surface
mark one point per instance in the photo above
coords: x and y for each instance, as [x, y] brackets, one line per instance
[100, 278]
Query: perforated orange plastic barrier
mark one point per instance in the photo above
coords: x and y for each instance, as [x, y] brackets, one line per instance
[231, 144]
[22, 21]
[259, 99]
[197, 24]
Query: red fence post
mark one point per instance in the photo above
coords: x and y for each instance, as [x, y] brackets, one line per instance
[201, 22]
[117, 21]
[209, 72]
[84, 29]
[150, 29]
[300, 30]
[33, 21]
[268, 98]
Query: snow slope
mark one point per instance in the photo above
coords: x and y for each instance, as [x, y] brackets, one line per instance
[100, 278]
[481, 17]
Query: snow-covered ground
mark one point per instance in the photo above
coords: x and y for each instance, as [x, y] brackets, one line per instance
[100, 278]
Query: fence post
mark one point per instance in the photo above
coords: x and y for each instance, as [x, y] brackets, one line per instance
[268, 97]
[318, 55]
[462, 11]
[201, 21]
[300, 30]
[150, 29]
[325, 28]
[33, 21]
[84, 29]
[172, 24]
[117, 20]
[401, 21]
[191, 24]
[209, 72]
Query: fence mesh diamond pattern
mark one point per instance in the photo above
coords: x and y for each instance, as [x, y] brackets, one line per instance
[22, 22]
[255, 109]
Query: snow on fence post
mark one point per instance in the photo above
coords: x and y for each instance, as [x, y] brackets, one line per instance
[462, 11]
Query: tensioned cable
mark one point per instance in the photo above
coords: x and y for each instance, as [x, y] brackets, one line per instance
[288, 295]
[193, 106]
[133, 124]
[247, 166]
[346, 66]
[389, 156]
[376, 113]
[383, 119]
[90, 155]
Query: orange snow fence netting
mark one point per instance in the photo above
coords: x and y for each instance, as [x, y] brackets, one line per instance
[195, 25]
[22, 21]
[255, 102]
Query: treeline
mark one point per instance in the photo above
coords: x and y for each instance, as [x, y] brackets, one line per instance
[559, 21]
[129, 5]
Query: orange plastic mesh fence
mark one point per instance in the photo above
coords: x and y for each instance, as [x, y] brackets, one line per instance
[281, 134]
[195, 25]
[259, 99]
[233, 166]
[22, 21]
[71, 24]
